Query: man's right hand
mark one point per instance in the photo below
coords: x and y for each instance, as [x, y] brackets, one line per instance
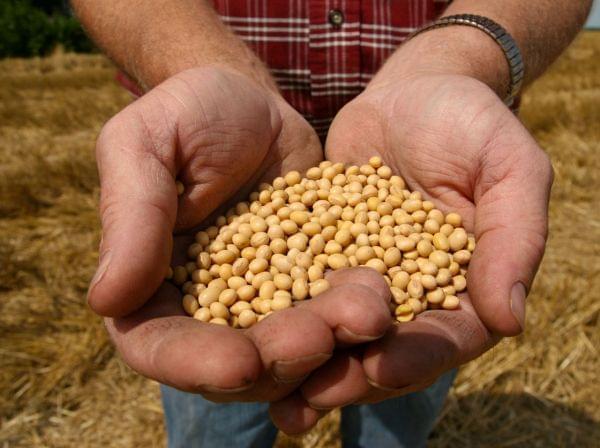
[218, 133]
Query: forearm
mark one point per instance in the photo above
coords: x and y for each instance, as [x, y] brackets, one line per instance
[541, 28]
[154, 39]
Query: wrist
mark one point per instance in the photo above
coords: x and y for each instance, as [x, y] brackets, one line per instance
[256, 75]
[269, 93]
[249, 69]
[212, 47]
[453, 50]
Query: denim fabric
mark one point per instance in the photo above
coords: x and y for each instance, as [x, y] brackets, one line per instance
[403, 422]
[193, 422]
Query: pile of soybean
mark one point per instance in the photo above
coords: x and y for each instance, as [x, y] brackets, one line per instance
[266, 254]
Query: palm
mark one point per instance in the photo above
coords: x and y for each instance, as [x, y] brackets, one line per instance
[435, 136]
[452, 139]
[226, 135]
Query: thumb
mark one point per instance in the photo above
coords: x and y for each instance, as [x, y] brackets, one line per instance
[511, 223]
[138, 207]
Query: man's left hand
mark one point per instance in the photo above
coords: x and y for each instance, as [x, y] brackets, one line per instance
[454, 140]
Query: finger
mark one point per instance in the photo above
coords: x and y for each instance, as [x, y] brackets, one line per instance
[356, 307]
[343, 381]
[511, 224]
[293, 415]
[292, 343]
[159, 342]
[340, 382]
[408, 358]
[419, 351]
[138, 205]
[361, 275]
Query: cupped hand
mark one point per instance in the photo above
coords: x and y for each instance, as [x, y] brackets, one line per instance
[215, 131]
[218, 133]
[453, 139]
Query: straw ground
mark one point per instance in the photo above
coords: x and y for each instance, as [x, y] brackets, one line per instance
[61, 383]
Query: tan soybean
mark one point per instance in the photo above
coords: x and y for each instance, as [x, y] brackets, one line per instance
[264, 254]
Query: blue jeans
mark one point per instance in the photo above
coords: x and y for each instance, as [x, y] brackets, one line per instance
[193, 422]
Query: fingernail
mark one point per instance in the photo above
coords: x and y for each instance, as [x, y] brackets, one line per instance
[221, 390]
[384, 388]
[342, 332]
[102, 268]
[327, 408]
[518, 293]
[290, 380]
[287, 371]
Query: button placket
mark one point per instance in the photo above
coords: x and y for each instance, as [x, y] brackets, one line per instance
[334, 59]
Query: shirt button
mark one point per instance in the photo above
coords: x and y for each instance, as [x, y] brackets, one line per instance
[336, 17]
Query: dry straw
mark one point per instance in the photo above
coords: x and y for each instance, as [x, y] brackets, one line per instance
[61, 383]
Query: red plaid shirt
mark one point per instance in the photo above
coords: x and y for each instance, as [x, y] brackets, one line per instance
[322, 53]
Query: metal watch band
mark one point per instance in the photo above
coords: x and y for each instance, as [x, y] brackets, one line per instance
[500, 36]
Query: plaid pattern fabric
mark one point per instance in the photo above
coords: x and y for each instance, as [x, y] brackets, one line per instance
[321, 65]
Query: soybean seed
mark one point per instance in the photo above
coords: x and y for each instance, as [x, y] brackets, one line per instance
[263, 253]
[190, 304]
[318, 286]
[202, 314]
[247, 318]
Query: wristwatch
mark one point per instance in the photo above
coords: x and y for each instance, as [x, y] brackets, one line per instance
[501, 37]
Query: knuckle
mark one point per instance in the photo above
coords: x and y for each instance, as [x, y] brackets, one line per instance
[536, 243]
[108, 132]
[542, 166]
[360, 301]
[548, 170]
